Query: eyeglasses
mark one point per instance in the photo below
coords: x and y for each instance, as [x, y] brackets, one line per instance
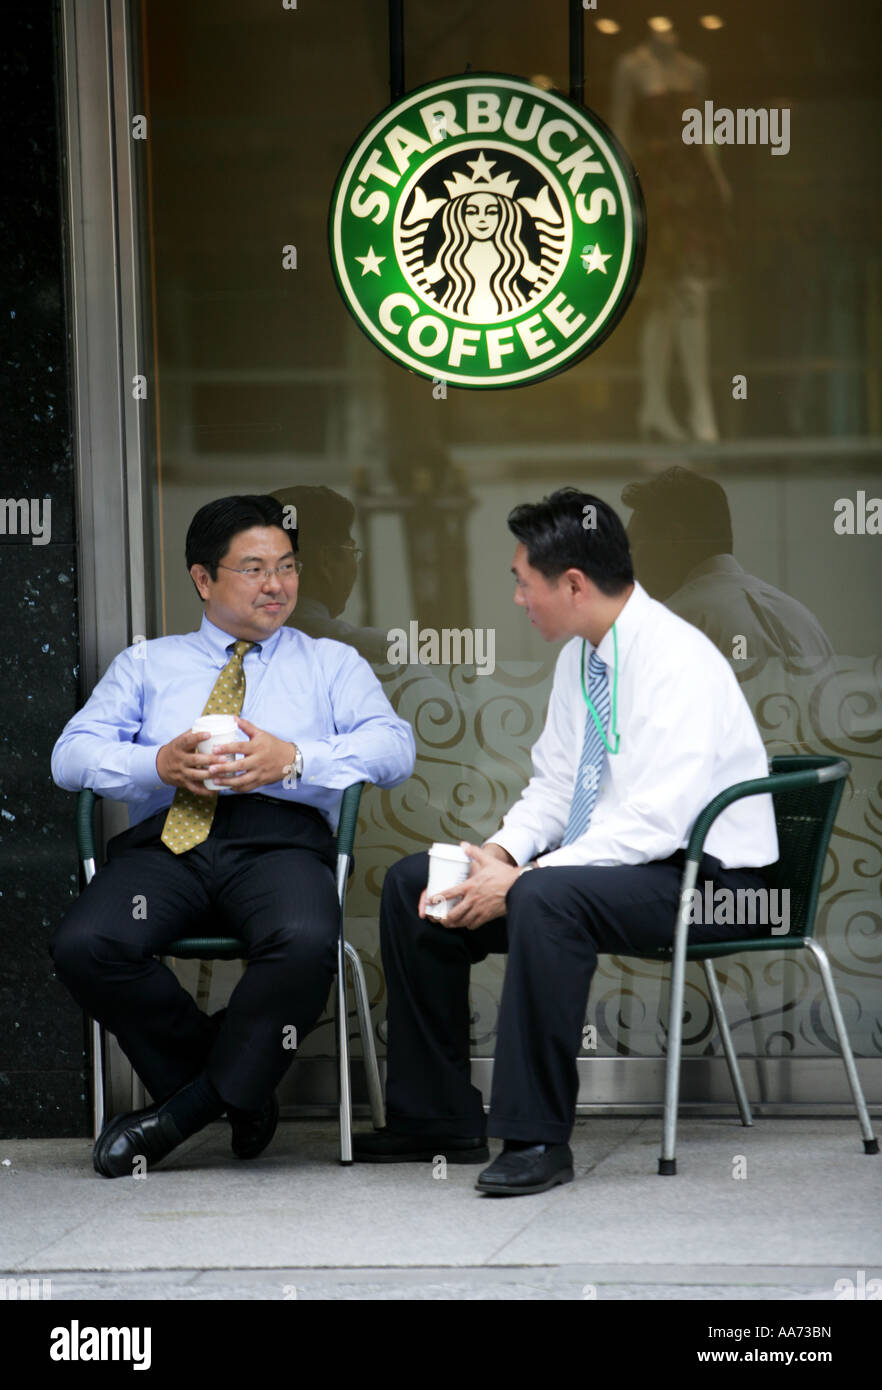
[256, 574]
[355, 551]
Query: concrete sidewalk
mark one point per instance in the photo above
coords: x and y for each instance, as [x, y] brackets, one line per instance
[296, 1224]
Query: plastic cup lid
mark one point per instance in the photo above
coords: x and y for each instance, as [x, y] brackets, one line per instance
[214, 722]
[449, 852]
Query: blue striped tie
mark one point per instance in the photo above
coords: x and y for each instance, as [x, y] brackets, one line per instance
[593, 759]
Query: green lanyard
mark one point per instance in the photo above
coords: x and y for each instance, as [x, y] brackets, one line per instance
[588, 701]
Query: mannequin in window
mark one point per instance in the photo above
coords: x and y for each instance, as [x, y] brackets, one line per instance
[686, 195]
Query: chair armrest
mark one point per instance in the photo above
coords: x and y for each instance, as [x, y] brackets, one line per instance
[349, 818]
[759, 786]
[86, 800]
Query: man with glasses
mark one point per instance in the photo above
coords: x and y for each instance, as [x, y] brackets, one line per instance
[255, 860]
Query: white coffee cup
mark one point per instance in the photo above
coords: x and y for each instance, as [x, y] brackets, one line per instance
[448, 866]
[221, 728]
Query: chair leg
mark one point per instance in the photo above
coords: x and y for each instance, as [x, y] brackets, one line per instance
[97, 1076]
[99, 1109]
[343, 1054]
[667, 1164]
[871, 1143]
[203, 984]
[710, 975]
[342, 1020]
[372, 1071]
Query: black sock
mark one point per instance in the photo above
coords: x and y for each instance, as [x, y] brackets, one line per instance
[234, 1113]
[195, 1106]
[517, 1145]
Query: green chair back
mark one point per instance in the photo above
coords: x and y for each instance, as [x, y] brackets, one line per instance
[804, 818]
[806, 791]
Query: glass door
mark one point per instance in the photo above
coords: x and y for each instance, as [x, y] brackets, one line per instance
[733, 418]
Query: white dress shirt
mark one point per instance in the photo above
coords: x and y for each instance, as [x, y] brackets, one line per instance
[724, 601]
[686, 733]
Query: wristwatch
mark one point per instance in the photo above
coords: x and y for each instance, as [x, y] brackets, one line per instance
[294, 769]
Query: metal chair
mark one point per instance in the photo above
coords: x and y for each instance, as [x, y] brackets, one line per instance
[205, 947]
[806, 791]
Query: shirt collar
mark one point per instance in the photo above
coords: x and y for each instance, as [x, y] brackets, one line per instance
[627, 624]
[219, 644]
[714, 564]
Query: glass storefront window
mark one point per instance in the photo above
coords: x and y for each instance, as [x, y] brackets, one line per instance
[733, 417]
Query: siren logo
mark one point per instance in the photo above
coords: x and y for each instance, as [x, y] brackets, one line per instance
[486, 232]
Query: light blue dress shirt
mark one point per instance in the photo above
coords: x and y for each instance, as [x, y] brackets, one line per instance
[316, 693]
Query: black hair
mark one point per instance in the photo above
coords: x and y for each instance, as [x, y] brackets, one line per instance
[325, 517]
[691, 508]
[214, 526]
[575, 530]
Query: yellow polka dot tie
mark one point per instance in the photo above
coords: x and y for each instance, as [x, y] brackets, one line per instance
[189, 818]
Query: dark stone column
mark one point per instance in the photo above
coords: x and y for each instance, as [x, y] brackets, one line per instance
[43, 1081]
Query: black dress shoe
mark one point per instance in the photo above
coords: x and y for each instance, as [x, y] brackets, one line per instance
[143, 1134]
[253, 1129]
[388, 1146]
[517, 1172]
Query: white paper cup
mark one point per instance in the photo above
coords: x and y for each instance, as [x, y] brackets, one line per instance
[448, 866]
[221, 728]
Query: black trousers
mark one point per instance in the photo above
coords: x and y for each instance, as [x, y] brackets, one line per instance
[557, 923]
[265, 874]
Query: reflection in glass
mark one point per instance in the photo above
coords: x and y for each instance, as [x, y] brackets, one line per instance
[330, 568]
[681, 540]
[685, 193]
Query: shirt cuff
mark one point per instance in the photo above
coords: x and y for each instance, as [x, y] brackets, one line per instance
[316, 763]
[142, 768]
[519, 843]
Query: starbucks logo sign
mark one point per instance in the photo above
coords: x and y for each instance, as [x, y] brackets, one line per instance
[487, 232]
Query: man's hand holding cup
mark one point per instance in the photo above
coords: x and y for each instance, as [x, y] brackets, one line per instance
[467, 884]
[180, 764]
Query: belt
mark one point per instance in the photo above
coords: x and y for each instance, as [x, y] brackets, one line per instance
[289, 805]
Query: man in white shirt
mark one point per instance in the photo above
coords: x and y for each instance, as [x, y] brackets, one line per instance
[646, 723]
[681, 539]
